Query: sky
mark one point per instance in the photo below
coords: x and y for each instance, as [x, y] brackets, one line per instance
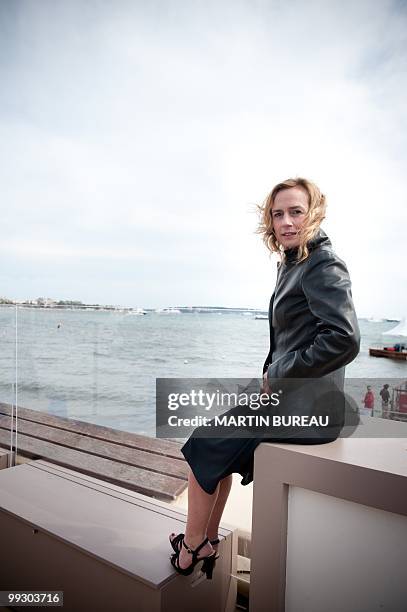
[137, 137]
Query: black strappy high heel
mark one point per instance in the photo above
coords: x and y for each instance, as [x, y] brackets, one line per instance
[208, 562]
[176, 543]
[214, 542]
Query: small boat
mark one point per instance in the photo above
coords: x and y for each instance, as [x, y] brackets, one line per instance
[168, 311]
[391, 354]
[137, 312]
[260, 316]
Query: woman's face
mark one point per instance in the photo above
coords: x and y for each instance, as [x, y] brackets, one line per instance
[288, 213]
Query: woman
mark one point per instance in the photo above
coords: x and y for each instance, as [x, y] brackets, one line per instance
[313, 334]
[368, 402]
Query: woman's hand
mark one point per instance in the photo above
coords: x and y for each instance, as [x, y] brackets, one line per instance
[266, 387]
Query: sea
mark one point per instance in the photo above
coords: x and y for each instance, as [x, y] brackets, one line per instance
[101, 366]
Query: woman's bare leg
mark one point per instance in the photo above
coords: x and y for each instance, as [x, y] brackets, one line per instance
[204, 515]
[224, 489]
[200, 506]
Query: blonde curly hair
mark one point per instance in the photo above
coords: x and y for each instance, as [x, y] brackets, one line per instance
[315, 215]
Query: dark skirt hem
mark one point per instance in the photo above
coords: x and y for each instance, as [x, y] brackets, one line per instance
[212, 459]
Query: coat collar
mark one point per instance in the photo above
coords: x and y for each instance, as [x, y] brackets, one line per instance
[319, 239]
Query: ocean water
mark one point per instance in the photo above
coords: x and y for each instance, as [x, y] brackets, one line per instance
[101, 367]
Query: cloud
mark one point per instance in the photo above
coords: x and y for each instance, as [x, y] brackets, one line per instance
[141, 136]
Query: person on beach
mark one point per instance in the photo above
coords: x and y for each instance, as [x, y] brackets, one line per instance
[385, 395]
[368, 402]
[314, 334]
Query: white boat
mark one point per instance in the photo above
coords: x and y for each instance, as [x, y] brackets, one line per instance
[168, 311]
[260, 316]
[137, 312]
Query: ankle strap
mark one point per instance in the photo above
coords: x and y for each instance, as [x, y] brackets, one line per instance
[195, 552]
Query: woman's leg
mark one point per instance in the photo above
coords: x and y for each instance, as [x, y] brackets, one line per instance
[200, 506]
[216, 515]
[201, 523]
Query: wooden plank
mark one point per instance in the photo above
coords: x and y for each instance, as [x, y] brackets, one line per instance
[154, 445]
[134, 478]
[110, 450]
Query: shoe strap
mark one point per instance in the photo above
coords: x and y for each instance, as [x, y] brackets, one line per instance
[195, 552]
[177, 539]
[213, 542]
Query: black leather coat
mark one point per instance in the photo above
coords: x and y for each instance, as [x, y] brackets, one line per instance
[314, 331]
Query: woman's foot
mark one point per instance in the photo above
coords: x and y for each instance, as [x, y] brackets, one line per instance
[182, 551]
[214, 541]
[185, 558]
[215, 545]
[175, 541]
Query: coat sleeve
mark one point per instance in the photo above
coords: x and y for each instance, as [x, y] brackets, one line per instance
[327, 289]
[271, 332]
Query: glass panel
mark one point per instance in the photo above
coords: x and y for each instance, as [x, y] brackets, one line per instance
[8, 331]
[85, 364]
[100, 365]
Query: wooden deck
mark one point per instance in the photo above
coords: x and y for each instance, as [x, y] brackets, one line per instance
[151, 466]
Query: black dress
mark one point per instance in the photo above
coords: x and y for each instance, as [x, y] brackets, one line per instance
[313, 334]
